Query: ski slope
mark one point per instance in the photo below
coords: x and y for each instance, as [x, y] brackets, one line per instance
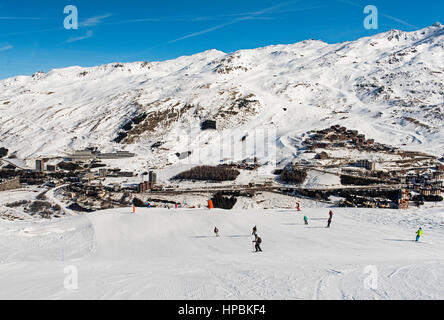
[173, 254]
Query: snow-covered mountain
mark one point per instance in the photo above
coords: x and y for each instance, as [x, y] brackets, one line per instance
[389, 86]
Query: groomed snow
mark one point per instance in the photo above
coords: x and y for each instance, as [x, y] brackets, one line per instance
[173, 254]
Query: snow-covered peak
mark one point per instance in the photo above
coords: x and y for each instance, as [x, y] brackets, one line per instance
[390, 86]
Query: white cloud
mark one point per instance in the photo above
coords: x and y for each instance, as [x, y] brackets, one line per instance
[399, 21]
[6, 47]
[192, 19]
[250, 16]
[382, 14]
[93, 21]
[88, 34]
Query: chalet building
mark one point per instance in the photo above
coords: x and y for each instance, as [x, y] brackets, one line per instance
[438, 175]
[332, 137]
[411, 179]
[357, 141]
[352, 133]
[322, 145]
[421, 180]
[369, 165]
[417, 187]
[402, 180]
[115, 187]
[321, 156]
[91, 192]
[40, 165]
[51, 168]
[339, 145]
[435, 192]
[87, 176]
[437, 184]
[425, 192]
[395, 179]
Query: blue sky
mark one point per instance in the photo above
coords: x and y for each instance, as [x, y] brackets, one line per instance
[32, 36]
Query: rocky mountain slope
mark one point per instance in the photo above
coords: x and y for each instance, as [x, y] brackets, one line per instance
[389, 86]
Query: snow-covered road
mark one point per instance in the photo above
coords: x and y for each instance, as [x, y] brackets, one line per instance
[173, 254]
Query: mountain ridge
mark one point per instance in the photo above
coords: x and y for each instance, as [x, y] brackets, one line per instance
[389, 86]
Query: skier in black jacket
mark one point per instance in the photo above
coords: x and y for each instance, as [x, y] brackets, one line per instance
[257, 242]
[216, 231]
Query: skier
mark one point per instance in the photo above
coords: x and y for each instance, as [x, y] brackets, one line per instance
[328, 222]
[175, 205]
[331, 214]
[254, 230]
[216, 231]
[305, 220]
[418, 234]
[257, 240]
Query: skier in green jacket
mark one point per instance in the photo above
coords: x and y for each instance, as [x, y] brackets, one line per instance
[305, 220]
[418, 234]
